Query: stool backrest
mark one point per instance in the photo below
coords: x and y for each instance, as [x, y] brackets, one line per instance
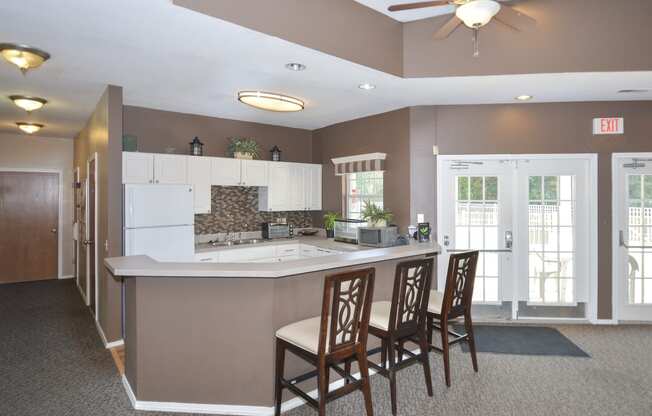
[346, 309]
[410, 296]
[458, 294]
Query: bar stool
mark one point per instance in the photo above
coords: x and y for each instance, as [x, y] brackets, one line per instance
[338, 335]
[401, 320]
[454, 302]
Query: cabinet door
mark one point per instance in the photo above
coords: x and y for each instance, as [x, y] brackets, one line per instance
[199, 175]
[254, 172]
[225, 171]
[297, 191]
[137, 167]
[170, 169]
[312, 187]
[278, 191]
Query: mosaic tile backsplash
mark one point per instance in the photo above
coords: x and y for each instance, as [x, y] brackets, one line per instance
[235, 209]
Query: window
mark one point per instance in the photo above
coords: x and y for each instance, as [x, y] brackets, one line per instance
[360, 187]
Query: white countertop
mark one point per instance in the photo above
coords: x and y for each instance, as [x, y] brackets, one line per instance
[353, 255]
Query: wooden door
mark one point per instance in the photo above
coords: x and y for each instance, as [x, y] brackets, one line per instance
[90, 227]
[82, 278]
[29, 221]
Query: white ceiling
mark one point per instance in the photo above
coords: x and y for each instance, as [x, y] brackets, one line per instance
[406, 15]
[170, 58]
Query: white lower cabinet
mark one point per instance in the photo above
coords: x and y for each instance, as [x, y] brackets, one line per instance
[265, 254]
[210, 257]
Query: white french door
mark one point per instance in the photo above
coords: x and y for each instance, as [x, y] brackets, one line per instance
[632, 216]
[530, 217]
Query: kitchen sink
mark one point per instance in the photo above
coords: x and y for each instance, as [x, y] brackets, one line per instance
[229, 243]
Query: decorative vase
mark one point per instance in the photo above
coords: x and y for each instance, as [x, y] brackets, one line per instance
[242, 155]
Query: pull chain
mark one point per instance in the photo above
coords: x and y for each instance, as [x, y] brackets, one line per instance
[476, 45]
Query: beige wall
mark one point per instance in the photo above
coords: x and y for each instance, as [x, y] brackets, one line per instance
[387, 133]
[156, 130]
[103, 135]
[342, 28]
[19, 151]
[570, 36]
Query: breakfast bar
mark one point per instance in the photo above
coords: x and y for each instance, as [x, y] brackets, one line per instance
[203, 333]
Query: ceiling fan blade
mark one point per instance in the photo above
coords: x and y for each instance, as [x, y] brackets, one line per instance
[513, 18]
[418, 5]
[447, 28]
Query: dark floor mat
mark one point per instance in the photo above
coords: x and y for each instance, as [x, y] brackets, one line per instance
[522, 340]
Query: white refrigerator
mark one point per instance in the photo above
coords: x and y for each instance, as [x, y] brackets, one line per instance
[159, 222]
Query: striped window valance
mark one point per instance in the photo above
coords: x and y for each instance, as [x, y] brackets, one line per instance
[369, 162]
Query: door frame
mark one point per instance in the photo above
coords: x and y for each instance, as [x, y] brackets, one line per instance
[60, 213]
[592, 159]
[616, 190]
[93, 157]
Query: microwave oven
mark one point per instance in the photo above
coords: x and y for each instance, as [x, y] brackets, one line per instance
[377, 236]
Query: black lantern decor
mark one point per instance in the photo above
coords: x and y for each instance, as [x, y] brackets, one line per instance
[196, 147]
[276, 154]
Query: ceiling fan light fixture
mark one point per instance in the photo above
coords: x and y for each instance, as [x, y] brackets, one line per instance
[29, 128]
[27, 103]
[23, 56]
[295, 66]
[271, 101]
[477, 13]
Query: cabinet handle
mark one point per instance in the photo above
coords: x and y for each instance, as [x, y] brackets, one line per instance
[157, 181]
[150, 181]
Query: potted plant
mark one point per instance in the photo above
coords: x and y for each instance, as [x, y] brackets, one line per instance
[329, 223]
[374, 215]
[243, 148]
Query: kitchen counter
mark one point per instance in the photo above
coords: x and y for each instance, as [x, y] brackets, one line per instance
[200, 336]
[353, 255]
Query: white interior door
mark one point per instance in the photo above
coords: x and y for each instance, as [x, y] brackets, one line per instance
[633, 232]
[531, 219]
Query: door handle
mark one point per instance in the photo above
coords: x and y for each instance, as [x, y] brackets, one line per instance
[53, 230]
[87, 242]
[509, 239]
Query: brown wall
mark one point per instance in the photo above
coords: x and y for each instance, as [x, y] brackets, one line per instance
[570, 36]
[387, 133]
[156, 130]
[552, 128]
[343, 28]
[103, 135]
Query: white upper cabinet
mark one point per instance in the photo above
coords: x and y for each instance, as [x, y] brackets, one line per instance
[199, 175]
[254, 172]
[225, 171]
[137, 167]
[170, 169]
[276, 196]
[297, 188]
[313, 187]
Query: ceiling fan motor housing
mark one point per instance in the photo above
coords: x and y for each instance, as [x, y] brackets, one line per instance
[477, 13]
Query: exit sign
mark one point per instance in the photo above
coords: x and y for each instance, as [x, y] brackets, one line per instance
[609, 125]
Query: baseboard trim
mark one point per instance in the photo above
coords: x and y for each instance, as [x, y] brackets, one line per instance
[107, 345]
[605, 322]
[69, 276]
[226, 409]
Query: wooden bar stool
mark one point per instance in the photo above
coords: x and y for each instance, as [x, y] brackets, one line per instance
[454, 302]
[401, 320]
[338, 335]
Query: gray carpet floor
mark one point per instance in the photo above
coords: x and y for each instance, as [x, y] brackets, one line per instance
[52, 362]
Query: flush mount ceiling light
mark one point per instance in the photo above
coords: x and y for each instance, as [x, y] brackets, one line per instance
[271, 101]
[478, 13]
[23, 56]
[634, 91]
[28, 104]
[29, 128]
[366, 86]
[295, 66]
[524, 97]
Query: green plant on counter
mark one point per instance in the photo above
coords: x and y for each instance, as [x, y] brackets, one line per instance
[376, 216]
[243, 148]
[329, 220]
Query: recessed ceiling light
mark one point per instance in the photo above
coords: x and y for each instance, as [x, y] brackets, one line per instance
[270, 101]
[28, 104]
[23, 56]
[295, 66]
[524, 97]
[366, 86]
[29, 128]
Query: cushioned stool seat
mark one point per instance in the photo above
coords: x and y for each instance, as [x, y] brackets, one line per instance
[303, 334]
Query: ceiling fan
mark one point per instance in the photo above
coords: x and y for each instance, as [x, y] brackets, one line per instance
[474, 14]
